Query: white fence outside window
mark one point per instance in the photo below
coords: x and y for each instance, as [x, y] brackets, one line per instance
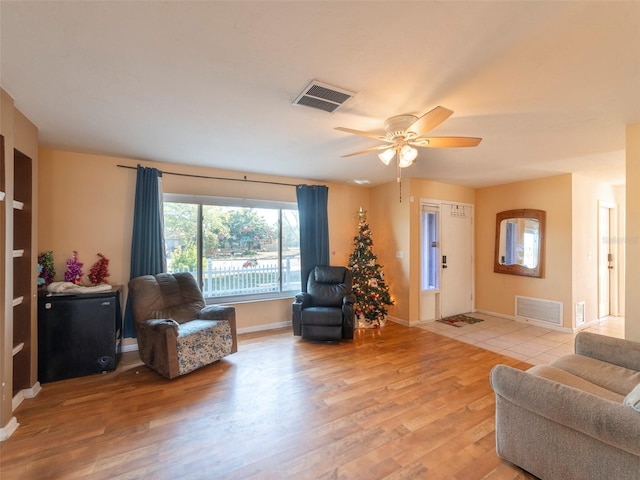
[231, 278]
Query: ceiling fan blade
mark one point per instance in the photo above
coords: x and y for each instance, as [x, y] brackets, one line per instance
[373, 149]
[377, 136]
[448, 142]
[429, 121]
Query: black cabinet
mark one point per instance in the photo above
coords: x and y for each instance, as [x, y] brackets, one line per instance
[78, 334]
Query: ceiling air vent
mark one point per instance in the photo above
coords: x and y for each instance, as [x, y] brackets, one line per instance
[323, 96]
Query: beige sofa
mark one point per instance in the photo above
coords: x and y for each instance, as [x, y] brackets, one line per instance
[577, 418]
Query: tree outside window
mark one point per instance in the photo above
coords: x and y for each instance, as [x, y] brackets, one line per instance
[242, 250]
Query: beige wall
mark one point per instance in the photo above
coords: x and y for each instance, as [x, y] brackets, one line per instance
[86, 204]
[495, 292]
[588, 195]
[395, 227]
[389, 222]
[632, 238]
[572, 244]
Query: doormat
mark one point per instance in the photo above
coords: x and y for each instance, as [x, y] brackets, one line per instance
[459, 320]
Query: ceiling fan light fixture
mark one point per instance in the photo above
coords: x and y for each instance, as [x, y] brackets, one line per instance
[386, 156]
[407, 156]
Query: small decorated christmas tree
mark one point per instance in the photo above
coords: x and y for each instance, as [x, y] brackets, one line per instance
[369, 287]
[99, 271]
[74, 270]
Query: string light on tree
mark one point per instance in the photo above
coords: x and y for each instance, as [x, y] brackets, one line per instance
[371, 291]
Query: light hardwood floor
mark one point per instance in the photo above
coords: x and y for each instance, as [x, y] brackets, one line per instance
[394, 403]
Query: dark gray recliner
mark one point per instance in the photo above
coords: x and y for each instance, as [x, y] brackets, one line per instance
[325, 311]
[177, 332]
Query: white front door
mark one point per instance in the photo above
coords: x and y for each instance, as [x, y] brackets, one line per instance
[456, 284]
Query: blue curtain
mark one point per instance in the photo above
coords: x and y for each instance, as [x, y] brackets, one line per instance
[147, 241]
[314, 228]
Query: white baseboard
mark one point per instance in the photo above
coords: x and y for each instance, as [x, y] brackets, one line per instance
[17, 400]
[399, 321]
[33, 391]
[267, 326]
[25, 393]
[8, 429]
[535, 323]
[133, 347]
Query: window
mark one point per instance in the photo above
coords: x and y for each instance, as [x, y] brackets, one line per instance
[236, 249]
[430, 249]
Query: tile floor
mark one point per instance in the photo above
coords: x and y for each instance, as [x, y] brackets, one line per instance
[533, 344]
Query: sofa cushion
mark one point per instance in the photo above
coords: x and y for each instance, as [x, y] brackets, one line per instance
[606, 375]
[326, 316]
[633, 399]
[570, 380]
[327, 274]
[201, 342]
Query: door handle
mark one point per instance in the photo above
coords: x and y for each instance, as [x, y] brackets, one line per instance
[444, 261]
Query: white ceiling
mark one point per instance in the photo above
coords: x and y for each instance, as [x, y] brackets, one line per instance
[549, 86]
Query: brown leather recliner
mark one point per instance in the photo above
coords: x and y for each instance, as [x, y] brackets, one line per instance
[177, 333]
[325, 311]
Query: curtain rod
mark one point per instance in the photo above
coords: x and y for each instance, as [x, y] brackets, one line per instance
[245, 179]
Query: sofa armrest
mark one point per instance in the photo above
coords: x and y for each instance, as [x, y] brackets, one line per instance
[159, 325]
[302, 300]
[157, 345]
[604, 420]
[222, 312]
[217, 312]
[624, 353]
[349, 299]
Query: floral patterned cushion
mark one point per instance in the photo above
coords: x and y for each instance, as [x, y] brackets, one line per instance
[201, 342]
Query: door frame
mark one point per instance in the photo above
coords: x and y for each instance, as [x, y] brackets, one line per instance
[613, 245]
[440, 203]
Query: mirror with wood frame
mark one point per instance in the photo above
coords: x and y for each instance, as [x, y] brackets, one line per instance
[520, 242]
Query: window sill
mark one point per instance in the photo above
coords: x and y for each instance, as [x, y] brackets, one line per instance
[251, 298]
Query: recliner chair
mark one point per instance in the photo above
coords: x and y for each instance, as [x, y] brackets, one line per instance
[177, 333]
[325, 311]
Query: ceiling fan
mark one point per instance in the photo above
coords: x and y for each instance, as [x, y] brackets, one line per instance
[405, 132]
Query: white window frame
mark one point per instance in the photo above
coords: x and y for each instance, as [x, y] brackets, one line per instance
[243, 203]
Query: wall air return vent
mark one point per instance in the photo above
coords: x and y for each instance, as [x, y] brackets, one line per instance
[537, 309]
[323, 96]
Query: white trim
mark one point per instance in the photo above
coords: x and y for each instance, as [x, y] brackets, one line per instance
[17, 400]
[228, 201]
[133, 347]
[267, 326]
[33, 391]
[130, 347]
[401, 321]
[6, 431]
[536, 323]
[18, 348]
[25, 393]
